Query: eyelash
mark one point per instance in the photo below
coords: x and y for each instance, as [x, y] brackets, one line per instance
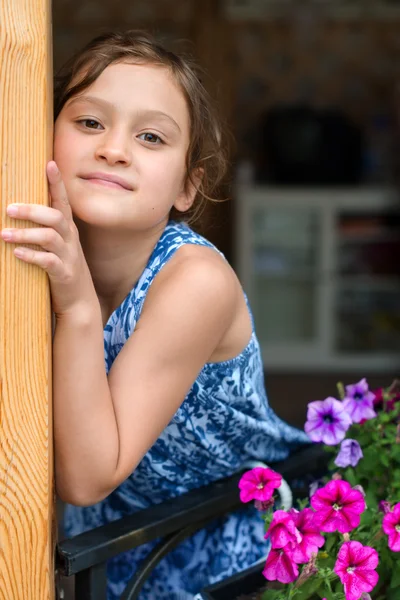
[161, 141]
[82, 121]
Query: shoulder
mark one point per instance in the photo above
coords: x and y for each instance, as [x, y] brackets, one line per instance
[196, 275]
[202, 269]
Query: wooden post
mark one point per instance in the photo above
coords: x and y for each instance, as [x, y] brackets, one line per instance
[26, 470]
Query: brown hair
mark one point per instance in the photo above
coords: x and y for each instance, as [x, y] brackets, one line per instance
[206, 150]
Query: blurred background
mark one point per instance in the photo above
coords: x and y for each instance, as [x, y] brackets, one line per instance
[309, 91]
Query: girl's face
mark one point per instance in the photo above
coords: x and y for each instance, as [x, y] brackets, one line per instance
[121, 148]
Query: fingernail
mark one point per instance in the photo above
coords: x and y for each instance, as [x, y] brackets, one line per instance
[12, 210]
[6, 234]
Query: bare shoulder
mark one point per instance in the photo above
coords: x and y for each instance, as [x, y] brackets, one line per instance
[200, 273]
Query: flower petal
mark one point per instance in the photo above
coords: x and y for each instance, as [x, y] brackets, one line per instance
[280, 568]
[394, 541]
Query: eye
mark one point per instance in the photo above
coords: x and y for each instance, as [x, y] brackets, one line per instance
[89, 123]
[151, 138]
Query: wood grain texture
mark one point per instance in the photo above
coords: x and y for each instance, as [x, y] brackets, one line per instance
[26, 461]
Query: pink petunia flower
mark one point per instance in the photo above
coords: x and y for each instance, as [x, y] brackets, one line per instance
[355, 567]
[311, 539]
[282, 530]
[391, 526]
[259, 484]
[280, 567]
[338, 507]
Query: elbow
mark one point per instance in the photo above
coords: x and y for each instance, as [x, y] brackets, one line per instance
[80, 496]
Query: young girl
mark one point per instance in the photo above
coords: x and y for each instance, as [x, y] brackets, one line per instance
[158, 379]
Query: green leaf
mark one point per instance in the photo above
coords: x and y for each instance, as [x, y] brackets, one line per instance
[395, 581]
[272, 595]
[349, 476]
[384, 459]
[309, 588]
[325, 593]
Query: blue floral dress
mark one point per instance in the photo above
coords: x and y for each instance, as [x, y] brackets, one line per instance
[224, 422]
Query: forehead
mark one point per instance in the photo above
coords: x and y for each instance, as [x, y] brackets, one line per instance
[133, 86]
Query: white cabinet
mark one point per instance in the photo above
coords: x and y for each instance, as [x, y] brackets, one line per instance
[321, 270]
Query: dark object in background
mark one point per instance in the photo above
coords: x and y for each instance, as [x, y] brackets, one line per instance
[300, 145]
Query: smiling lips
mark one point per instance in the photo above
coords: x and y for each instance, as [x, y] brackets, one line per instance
[107, 180]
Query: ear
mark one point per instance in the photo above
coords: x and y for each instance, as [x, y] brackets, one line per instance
[185, 199]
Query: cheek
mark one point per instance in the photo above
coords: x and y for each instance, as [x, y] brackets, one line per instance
[65, 148]
[60, 153]
[168, 174]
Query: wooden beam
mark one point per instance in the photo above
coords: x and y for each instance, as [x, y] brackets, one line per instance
[26, 471]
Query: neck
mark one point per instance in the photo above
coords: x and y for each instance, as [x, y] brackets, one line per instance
[116, 260]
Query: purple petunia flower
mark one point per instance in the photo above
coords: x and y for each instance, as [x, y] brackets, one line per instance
[327, 421]
[359, 401]
[350, 453]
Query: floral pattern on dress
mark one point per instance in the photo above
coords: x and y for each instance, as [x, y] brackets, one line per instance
[224, 422]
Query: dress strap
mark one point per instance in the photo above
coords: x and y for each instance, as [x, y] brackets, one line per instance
[174, 236]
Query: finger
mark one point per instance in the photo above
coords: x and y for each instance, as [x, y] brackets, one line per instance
[45, 237]
[47, 261]
[41, 215]
[58, 193]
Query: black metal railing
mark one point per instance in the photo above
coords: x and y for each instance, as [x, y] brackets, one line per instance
[85, 556]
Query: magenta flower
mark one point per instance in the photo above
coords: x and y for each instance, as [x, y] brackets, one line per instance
[355, 567]
[391, 526]
[327, 421]
[259, 484]
[350, 453]
[311, 539]
[359, 402]
[282, 530]
[280, 567]
[338, 507]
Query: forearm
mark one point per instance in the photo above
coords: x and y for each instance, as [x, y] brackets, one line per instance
[85, 427]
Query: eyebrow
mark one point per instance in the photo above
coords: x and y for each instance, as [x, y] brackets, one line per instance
[106, 103]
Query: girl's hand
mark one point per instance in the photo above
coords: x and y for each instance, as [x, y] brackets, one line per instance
[61, 256]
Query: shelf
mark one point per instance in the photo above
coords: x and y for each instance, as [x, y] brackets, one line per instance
[259, 242]
[287, 276]
[281, 359]
[368, 238]
[321, 273]
[376, 283]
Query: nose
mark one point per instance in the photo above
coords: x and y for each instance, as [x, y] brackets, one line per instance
[114, 148]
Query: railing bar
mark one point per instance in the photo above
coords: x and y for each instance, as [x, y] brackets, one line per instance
[91, 584]
[98, 545]
[136, 583]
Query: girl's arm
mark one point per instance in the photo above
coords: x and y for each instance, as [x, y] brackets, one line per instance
[103, 428]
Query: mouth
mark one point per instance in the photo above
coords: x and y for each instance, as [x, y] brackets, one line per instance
[106, 180]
